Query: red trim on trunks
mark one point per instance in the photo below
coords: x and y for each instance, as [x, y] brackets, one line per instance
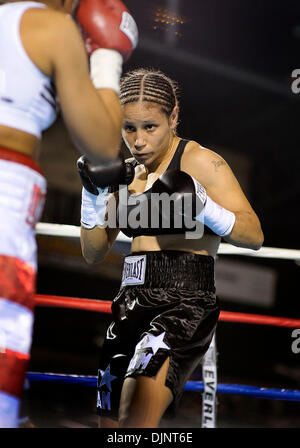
[13, 367]
[18, 157]
[17, 281]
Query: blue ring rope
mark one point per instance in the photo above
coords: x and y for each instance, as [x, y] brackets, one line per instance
[196, 386]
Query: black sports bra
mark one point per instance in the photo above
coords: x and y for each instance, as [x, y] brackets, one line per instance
[136, 209]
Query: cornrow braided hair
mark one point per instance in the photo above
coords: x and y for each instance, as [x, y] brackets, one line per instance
[149, 85]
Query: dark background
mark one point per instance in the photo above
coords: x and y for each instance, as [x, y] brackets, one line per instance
[233, 61]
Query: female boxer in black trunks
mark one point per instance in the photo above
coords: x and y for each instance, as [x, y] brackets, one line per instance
[166, 311]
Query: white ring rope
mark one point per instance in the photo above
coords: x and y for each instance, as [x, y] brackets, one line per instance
[62, 230]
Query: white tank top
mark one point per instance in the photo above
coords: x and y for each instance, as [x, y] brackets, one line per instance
[27, 96]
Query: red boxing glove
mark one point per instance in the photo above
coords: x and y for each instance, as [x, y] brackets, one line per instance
[107, 24]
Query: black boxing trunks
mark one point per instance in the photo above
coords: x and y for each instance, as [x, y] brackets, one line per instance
[166, 307]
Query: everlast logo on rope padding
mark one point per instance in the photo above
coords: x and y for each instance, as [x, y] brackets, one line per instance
[134, 270]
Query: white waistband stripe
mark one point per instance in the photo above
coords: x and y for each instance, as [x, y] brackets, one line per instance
[16, 325]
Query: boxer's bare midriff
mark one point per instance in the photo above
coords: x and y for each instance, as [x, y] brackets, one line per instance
[207, 245]
[19, 141]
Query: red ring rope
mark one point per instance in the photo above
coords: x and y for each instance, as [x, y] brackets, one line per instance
[104, 306]
[101, 306]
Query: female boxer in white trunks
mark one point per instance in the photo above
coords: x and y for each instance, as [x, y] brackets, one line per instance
[166, 311]
[42, 58]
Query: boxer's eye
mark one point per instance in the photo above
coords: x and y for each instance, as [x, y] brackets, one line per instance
[150, 127]
[128, 128]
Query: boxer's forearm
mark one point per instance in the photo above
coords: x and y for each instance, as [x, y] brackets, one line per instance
[94, 244]
[246, 231]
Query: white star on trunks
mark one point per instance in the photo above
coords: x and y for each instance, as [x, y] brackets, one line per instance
[107, 378]
[156, 342]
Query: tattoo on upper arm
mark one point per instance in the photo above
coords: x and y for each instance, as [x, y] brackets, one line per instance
[218, 163]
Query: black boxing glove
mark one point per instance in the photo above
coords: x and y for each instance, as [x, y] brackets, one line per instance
[98, 183]
[112, 175]
[204, 209]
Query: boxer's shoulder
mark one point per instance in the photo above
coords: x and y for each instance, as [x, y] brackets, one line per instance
[201, 162]
[196, 154]
[47, 16]
[49, 27]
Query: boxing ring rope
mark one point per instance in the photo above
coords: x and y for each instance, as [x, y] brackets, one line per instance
[209, 361]
[103, 306]
[62, 230]
[194, 386]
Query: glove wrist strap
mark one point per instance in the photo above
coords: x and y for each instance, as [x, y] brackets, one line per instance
[217, 218]
[93, 208]
[106, 69]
